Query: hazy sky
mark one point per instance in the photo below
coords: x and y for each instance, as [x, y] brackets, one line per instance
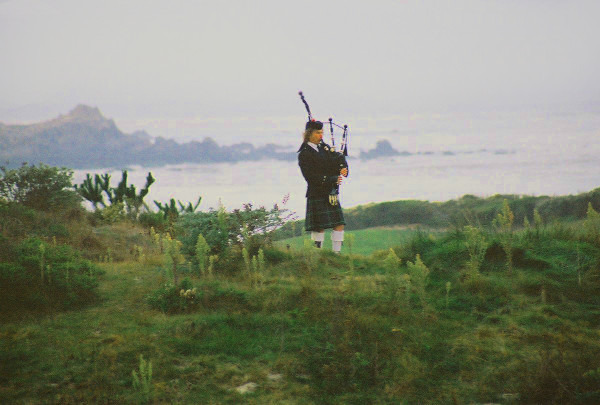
[170, 60]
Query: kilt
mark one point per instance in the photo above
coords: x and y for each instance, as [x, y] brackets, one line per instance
[320, 214]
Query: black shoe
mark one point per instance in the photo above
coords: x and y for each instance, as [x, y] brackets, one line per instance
[318, 244]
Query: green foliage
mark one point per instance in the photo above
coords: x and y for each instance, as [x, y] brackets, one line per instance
[41, 276]
[212, 259]
[253, 226]
[173, 299]
[448, 289]
[261, 267]
[173, 257]
[202, 250]
[154, 220]
[189, 226]
[209, 294]
[504, 222]
[247, 263]
[531, 337]
[467, 210]
[142, 383]
[537, 220]
[397, 283]
[350, 241]
[476, 245]
[226, 232]
[392, 262]
[172, 209]
[42, 187]
[124, 200]
[592, 224]
[255, 266]
[124, 194]
[419, 277]
[113, 213]
[569, 207]
[92, 191]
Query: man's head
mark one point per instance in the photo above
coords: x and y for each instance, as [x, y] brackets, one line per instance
[313, 131]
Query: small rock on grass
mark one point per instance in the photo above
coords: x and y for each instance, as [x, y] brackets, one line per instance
[275, 377]
[247, 388]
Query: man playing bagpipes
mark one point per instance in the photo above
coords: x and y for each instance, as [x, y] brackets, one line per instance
[323, 169]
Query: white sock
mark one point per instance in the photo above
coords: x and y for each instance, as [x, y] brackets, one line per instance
[337, 237]
[318, 237]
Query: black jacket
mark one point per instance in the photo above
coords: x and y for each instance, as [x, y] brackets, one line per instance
[320, 169]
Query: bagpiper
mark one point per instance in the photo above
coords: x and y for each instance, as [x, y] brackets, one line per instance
[323, 169]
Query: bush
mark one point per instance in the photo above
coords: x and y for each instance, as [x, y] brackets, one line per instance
[40, 187]
[172, 299]
[154, 220]
[214, 230]
[225, 232]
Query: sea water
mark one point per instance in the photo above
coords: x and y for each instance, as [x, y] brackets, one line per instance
[525, 154]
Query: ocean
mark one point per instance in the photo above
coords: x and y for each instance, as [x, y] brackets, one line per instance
[446, 157]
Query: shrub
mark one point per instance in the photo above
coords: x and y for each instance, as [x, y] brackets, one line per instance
[113, 213]
[171, 298]
[214, 230]
[40, 187]
[154, 220]
[227, 233]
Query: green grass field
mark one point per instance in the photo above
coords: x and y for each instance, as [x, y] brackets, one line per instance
[313, 327]
[503, 312]
[366, 241]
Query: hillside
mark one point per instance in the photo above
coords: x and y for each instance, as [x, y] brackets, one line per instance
[118, 306]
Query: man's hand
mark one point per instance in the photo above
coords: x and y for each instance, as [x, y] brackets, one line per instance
[344, 172]
[339, 181]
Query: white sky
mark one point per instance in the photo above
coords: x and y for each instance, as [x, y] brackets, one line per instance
[168, 60]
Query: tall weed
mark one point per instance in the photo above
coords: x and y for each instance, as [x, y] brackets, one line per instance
[477, 246]
[503, 223]
[419, 277]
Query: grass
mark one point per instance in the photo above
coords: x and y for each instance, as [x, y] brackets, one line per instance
[324, 333]
[366, 242]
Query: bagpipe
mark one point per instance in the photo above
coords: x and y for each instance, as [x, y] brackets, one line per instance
[336, 158]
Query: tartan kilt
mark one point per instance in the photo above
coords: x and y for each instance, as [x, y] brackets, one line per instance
[320, 214]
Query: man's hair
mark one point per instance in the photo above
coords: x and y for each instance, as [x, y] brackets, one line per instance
[310, 127]
[306, 135]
